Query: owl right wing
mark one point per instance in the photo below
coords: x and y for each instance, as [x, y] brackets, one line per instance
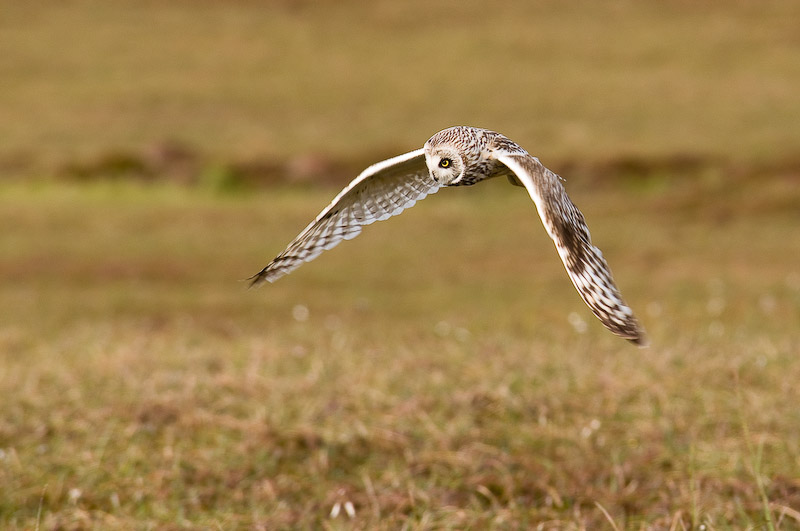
[584, 262]
[383, 190]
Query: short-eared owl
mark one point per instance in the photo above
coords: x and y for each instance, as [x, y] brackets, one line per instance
[461, 156]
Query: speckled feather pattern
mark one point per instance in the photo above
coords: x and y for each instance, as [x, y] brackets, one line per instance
[386, 188]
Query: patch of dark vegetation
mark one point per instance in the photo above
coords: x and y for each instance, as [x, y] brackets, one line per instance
[636, 170]
[175, 162]
[647, 171]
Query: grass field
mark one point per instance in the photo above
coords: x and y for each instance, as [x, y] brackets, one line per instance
[427, 372]
[438, 372]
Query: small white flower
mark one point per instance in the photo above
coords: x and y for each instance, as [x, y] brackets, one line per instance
[336, 509]
[74, 494]
[300, 313]
[593, 426]
[577, 322]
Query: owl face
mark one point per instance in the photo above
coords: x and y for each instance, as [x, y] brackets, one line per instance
[445, 164]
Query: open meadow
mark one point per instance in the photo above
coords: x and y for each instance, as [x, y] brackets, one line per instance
[439, 371]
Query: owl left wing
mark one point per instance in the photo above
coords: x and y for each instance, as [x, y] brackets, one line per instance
[584, 262]
[383, 190]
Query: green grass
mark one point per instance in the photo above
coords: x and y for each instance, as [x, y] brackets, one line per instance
[426, 372]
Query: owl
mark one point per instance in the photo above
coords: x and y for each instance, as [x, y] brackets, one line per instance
[463, 156]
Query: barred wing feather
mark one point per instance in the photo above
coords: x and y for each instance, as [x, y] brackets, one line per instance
[583, 261]
[381, 191]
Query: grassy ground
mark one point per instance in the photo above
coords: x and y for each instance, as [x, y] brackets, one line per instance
[439, 371]
[432, 373]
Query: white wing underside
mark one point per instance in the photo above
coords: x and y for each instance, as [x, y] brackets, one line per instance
[381, 191]
[585, 265]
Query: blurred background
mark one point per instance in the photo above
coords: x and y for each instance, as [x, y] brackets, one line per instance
[97, 87]
[439, 371]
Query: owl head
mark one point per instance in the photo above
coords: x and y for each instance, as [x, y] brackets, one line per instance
[444, 155]
[445, 164]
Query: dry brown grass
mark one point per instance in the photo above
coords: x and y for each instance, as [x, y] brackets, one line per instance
[435, 380]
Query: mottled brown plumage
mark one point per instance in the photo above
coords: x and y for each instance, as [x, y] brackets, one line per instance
[462, 156]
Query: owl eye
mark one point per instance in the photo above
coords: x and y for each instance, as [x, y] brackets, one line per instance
[445, 163]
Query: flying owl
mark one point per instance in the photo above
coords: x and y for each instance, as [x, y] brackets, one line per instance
[463, 156]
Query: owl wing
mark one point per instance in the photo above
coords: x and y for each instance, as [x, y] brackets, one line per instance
[584, 262]
[383, 190]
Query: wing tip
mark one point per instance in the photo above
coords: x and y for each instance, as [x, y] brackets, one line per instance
[640, 340]
[635, 334]
[254, 281]
[259, 279]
